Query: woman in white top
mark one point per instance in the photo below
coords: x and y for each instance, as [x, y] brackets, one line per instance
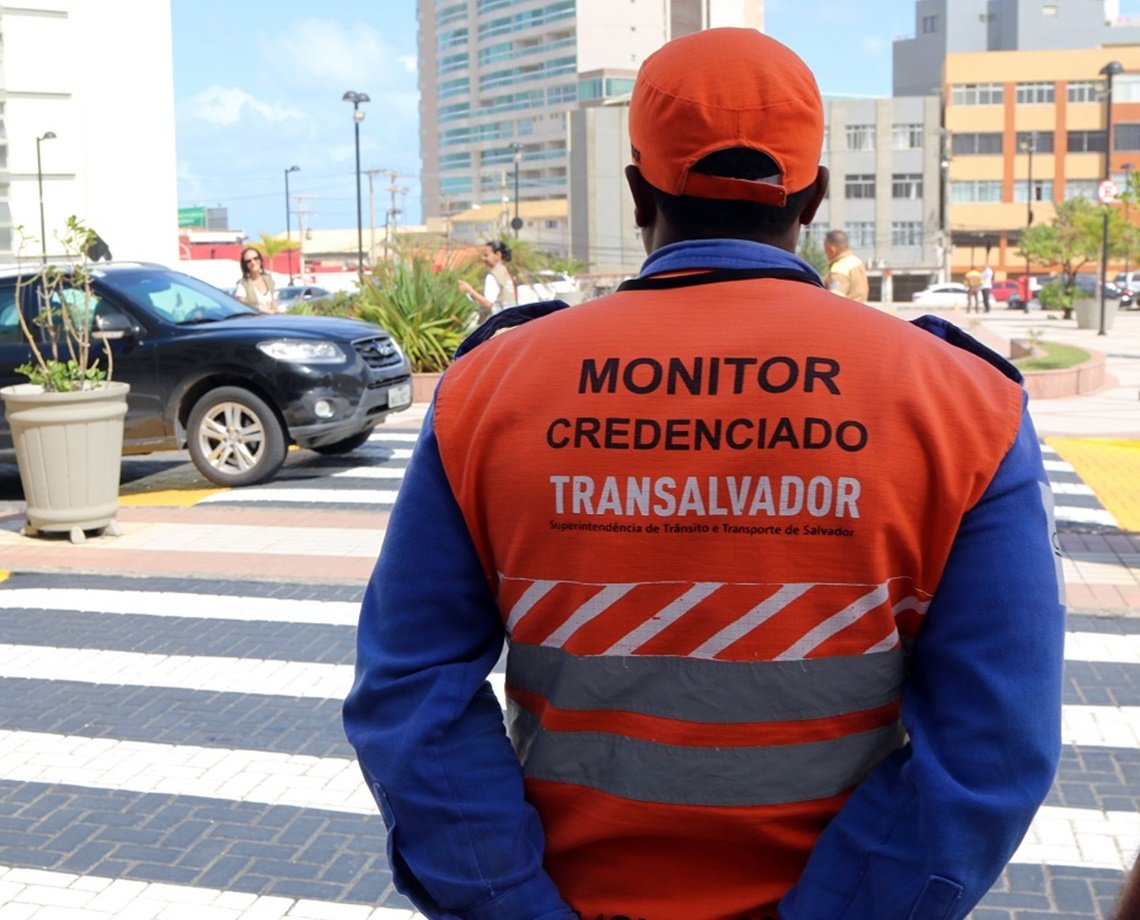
[498, 285]
[256, 285]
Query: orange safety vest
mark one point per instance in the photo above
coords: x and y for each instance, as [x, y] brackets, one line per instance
[713, 518]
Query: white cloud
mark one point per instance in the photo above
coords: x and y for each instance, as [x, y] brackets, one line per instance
[222, 105]
[321, 51]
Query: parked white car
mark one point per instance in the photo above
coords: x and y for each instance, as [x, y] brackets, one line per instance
[950, 294]
[548, 285]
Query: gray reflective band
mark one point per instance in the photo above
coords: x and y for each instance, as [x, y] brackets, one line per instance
[672, 774]
[700, 690]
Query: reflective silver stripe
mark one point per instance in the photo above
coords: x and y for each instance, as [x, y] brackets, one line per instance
[699, 690]
[650, 772]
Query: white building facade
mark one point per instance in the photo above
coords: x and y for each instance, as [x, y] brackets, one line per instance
[98, 75]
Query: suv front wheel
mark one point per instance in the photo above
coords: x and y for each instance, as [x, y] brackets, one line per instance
[234, 438]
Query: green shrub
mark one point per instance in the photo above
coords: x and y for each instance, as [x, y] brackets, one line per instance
[422, 309]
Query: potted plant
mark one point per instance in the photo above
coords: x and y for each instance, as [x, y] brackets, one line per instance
[67, 420]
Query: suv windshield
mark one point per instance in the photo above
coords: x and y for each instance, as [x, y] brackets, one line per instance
[175, 297]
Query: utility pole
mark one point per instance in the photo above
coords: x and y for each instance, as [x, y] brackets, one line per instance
[302, 213]
[390, 216]
[372, 212]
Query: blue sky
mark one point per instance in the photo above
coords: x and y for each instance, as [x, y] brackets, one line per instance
[258, 88]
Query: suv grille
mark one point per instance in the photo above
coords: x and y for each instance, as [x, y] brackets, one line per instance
[378, 352]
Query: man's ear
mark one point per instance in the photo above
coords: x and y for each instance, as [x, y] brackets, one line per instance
[822, 179]
[644, 207]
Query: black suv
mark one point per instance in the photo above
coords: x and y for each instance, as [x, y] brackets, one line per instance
[233, 385]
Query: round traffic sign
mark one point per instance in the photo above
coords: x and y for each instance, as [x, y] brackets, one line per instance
[1107, 191]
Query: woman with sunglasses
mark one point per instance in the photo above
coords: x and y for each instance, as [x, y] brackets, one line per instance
[256, 285]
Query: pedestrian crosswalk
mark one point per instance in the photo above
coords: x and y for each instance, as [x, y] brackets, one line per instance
[173, 746]
[184, 746]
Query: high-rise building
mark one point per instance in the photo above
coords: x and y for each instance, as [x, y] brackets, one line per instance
[945, 27]
[499, 78]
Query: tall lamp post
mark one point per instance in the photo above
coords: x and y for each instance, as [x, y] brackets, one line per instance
[1028, 146]
[357, 118]
[288, 227]
[1127, 167]
[46, 136]
[1108, 71]
[517, 223]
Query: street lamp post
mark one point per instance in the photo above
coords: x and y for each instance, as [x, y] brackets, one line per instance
[357, 118]
[1029, 145]
[1108, 71]
[1127, 167]
[288, 227]
[46, 136]
[517, 223]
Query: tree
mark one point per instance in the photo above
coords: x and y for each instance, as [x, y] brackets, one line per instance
[1075, 237]
[812, 253]
[271, 245]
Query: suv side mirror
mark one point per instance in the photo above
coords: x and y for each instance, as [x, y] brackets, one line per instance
[113, 326]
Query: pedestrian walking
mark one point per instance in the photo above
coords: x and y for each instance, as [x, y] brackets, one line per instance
[987, 286]
[973, 290]
[777, 571]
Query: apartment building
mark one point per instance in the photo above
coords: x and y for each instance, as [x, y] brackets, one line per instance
[944, 27]
[499, 79]
[77, 123]
[1025, 130]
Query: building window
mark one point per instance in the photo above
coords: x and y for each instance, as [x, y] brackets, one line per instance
[929, 25]
[976, 143]
[1085, 142]
[906, 185]
[1028, 93]
[860, 137]
[1042, 141]
[860, 185]
[1042, 190]
[1126, 88]
[1126, 137]
[861, 234]
[976, 191]
[906, 233]
[977, 94]
[1081, 188]
[1084, 91]
[907, 136]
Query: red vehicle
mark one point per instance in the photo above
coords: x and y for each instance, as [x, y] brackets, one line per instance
[1003, 289]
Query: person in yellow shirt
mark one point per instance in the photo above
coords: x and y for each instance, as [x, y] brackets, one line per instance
[846, 273]
[973, 291]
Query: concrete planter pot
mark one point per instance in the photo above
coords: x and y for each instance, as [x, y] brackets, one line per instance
[1088, 313]
[69, 452]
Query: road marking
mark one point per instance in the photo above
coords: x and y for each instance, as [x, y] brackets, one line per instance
[305, 496]
[180, 604]
[94, 897]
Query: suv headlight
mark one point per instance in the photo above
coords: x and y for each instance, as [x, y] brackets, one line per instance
[303, 351]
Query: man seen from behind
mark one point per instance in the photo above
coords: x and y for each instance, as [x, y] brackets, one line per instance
[774, 571]
[846, 273]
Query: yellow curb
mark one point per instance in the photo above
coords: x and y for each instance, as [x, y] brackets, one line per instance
[182, 498]
[1111, 468]
[4, 575]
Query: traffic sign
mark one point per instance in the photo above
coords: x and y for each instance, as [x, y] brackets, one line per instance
[1107, 191]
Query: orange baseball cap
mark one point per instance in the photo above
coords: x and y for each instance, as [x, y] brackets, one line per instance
[724, 88]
